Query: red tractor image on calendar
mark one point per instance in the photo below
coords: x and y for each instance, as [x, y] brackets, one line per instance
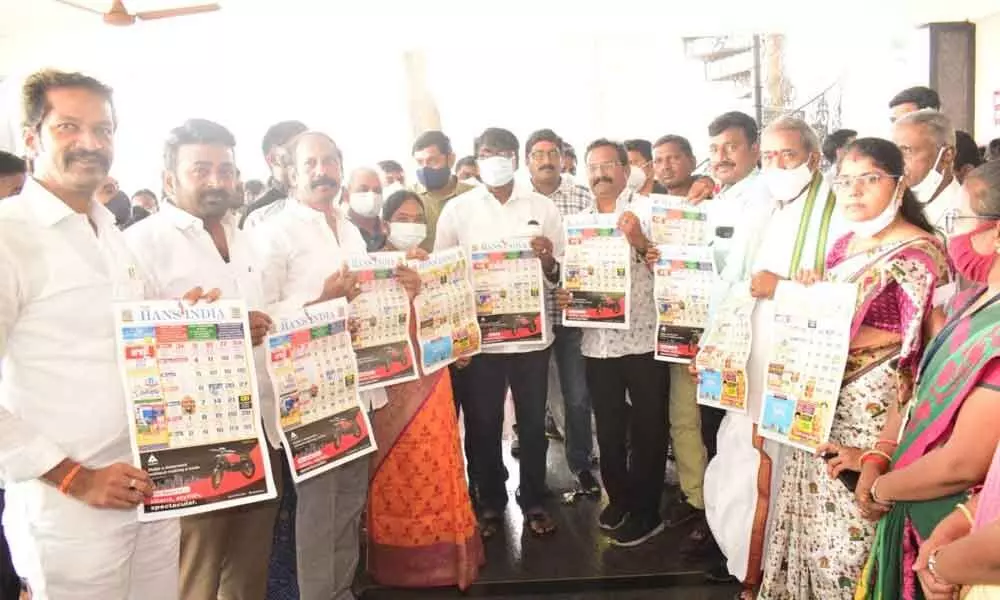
[345, 426]
[515, 323]
[231, 460]
[614, 304]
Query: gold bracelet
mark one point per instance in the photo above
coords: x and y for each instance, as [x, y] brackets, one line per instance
[965, 511]
[876, 453]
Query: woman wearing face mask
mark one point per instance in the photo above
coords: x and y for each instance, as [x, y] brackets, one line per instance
[421, 527]
[821, 538]
[953, 422]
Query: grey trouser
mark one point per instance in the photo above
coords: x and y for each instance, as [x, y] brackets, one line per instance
[327, 530]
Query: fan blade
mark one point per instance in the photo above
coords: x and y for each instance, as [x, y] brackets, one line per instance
[182, 11]
[81, 7]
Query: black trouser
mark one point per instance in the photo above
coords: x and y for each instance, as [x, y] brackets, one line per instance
[10, 584]
[489, 375]
[635, 485]
[461, 389]
[711, 419]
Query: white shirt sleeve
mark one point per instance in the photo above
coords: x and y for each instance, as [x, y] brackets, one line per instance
[137, 238]
[272, 252]
[24, 454]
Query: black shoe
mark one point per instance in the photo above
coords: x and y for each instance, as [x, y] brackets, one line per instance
[681, 512]
[588, 483]
[699, 543]
[611, 518]
[636, 531]
[719, 573]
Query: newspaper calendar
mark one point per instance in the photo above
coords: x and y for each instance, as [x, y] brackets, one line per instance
[381, 314]
[811, 340]
[677, 223]
[725, 350]
[510, 299]
[315, 376]
[193, 409]
[683, 280]
[447, 328]
[597, 270]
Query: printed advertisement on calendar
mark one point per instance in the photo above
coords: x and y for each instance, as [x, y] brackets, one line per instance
[380, 322]
[193, 409]
[724, 353]
[447, 326]
[683, 281]
[510, 293]
[597, 271]
[315, 376]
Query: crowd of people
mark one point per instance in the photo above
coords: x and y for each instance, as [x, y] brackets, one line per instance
[902, 501]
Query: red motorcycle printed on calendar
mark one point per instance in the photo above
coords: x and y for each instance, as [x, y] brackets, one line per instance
[231, 460]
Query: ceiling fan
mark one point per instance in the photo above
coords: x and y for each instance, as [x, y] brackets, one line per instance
[119, 16]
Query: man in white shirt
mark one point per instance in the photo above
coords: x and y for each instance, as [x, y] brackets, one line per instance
[798, 235]
[65, 453]
[272, 202]
[927, 140]
[501, 210]
[303, 252]
[632, 439]
[195, 238]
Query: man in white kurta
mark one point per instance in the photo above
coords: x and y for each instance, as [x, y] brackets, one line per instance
[302, 252]
[195, 238]
[771, 250]
[65, 454]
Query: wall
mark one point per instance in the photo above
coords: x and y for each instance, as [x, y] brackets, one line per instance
[987, 76]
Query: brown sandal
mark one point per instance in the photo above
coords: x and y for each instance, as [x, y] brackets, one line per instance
[490, 523]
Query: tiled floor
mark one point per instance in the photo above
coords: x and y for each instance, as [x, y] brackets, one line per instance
[577, 563]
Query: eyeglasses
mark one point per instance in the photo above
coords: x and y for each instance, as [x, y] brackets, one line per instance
[540, 155]
[604, 167]
[490, 153]
[953, 219]
[847, 182]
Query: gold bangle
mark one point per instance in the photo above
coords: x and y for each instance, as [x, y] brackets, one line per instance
[965, 511]
[876, 453]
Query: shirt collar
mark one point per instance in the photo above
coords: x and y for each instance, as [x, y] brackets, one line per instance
[49, 210]
[740, 186]
[184, 220]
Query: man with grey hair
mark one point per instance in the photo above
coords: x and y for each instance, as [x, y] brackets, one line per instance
[802, 227]
[927, 140]
[362, 202]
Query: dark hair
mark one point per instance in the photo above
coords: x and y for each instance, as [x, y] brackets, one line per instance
[389, 166]
[606, 143]
[254, 186]
[993, 149]
[835, 141]
[923, 97]
[281, 133]
[396, 200]
[542, 135]
[465, 161]
[35, 99]
[966, 151]
[741, 121]
[432, 138]
[11, 164]
[293, 145]
[498, 138]
[194, 131]
[889, 158]
[643, 147]
[569, 151]
[144, 191]
[679, 141]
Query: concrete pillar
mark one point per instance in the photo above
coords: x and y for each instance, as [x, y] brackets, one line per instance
[424, 114]
[953, 71]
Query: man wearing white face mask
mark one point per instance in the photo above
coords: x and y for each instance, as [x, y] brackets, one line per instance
[798, 234]
[927, 140]
[640, 176]
[363, 199]
[501, 210]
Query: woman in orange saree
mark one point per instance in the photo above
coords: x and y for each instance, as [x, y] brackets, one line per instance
[422, 531]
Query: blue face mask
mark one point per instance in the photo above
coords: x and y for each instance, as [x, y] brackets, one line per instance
[433, 179]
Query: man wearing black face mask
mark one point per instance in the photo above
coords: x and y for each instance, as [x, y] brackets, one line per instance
[435, 159]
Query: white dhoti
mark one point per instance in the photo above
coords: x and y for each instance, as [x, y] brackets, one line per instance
[67, 550]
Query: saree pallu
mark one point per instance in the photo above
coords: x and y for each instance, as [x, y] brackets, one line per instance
[422, 531]
[987, 513]
[948, 374]
[820, 540]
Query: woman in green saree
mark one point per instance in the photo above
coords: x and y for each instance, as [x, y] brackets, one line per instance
[953, 427]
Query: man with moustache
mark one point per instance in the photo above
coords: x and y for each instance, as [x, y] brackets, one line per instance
[568, 397]
[303, 252]
[673, 164]
[796, 233]
[273, 200]
[194, 238]
[65, 453]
